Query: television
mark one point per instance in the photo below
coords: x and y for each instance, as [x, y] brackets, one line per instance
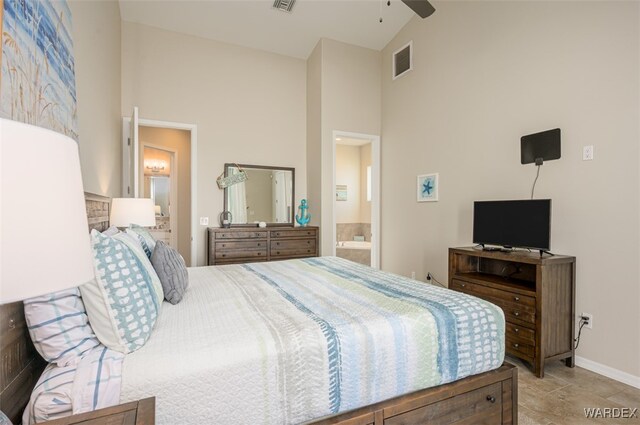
[513, 224]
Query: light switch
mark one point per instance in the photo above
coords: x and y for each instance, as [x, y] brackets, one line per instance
[587, 153]
[204, 221]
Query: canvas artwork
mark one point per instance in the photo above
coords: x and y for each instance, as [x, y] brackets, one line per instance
[38, 79]
[427, 187]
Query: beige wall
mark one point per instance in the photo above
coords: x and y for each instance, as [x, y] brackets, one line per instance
[345, 88]
[365, 161]
[314, 134]
[249, 105]
[96, 44]
[179, 141]
[486, 73]
[348, 173]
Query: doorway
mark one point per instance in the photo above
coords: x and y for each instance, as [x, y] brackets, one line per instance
[356, 205]
[148, 146]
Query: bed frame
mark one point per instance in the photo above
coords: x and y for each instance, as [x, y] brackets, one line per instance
[488, 398]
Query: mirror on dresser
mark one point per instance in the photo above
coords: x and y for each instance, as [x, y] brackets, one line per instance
[267, 195]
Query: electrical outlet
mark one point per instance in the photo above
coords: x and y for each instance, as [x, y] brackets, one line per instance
[587, 153]
[204, 221]
[589, 320]
[413, 275]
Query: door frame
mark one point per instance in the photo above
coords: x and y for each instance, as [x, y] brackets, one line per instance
[375, 192]
[193, 129]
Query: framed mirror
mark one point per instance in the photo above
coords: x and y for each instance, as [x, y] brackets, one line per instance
[266, 195]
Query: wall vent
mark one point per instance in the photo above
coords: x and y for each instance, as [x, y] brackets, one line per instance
[284, 5]
[402, 60]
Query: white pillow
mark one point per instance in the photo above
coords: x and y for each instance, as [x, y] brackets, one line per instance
[59, 326]
[121, 301]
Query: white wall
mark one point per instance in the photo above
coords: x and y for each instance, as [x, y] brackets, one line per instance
[345, 84]
[486, 73]
[348, 173]
[365, 161]
[96, 45]
[249, 105]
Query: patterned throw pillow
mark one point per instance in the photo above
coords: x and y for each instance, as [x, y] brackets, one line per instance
[136, 248]
[172, 271]
[146, 240]
[120, 301]
[59, 326]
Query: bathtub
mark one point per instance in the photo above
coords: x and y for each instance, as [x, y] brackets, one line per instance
[357, 251]
[354, 244]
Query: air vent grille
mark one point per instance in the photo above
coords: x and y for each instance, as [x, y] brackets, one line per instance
[402, 60]
[284, 5]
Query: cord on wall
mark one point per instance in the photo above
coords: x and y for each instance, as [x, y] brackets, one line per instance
[583, 321]
[431, 278]
[533, 188]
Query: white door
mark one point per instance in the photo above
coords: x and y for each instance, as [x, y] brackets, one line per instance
[130, 156]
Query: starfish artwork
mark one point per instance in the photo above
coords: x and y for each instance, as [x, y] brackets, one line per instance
[427, 187]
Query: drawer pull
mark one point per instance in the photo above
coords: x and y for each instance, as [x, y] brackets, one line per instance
[278, 243]
[224, 234]
[491, 399]
[463, 284]
[308, 233]
[278, 252]
[259, 253]
[516, 313]
[259, 244]
[516, 345]
[516, 330]
[308, 242]
[224, 255]
[224, 245]
[308, 250]
[516, 298]
[277, 233]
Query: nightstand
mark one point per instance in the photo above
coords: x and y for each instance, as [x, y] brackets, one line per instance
[141, 412]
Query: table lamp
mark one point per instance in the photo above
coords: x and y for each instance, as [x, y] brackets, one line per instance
[128, 211]
[44, 233]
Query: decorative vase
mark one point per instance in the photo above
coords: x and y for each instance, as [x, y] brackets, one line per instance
[304, 217]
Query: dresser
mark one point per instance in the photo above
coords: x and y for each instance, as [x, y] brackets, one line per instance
[536, 293]
[250, 244]
[141, 412]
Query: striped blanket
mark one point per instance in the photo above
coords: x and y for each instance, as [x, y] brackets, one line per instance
[290, 341]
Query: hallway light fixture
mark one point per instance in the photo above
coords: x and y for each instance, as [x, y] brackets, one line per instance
[155, 166]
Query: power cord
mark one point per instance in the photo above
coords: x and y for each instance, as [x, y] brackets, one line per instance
[583, 321]
[431, 278]
[533, 188]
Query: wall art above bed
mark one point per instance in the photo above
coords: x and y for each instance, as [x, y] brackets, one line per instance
[37, 83]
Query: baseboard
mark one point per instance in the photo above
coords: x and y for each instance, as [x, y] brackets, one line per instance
[609, 372]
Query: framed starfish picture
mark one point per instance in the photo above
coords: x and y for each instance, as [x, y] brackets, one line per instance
[427, 189]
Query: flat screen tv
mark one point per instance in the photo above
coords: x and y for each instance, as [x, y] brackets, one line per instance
[513, 224]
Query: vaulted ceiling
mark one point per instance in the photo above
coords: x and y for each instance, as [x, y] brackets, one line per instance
[256, 24]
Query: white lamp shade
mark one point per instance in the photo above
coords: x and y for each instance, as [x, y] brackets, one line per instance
[44, 235]
[128, 211]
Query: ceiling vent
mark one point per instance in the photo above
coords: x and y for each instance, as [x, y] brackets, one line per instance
[402, 60]
[284, 5]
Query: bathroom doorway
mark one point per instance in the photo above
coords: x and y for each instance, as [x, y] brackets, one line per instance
[356, 206]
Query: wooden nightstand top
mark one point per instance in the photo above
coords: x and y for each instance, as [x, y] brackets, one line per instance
[141, 412]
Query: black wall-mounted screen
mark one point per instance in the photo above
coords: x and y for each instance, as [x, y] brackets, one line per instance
[545, 145]
[522, 224]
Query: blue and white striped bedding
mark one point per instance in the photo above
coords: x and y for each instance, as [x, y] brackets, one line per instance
[286, 342]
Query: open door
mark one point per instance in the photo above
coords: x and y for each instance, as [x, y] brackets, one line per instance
[130, 157]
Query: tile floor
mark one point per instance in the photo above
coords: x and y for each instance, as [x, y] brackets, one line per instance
[562, 395]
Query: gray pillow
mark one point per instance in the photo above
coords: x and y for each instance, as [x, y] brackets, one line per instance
[171, 270]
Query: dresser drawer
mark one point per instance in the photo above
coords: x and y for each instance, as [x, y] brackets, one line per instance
[235, 254]
[520, 333]
[293, 247]
[519, 348]
[298, 233]
[241, 245]
[293, 244]
[240, 235]
[516, 307]
[477, 407]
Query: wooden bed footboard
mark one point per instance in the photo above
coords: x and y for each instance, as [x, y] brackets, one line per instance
[488, 398]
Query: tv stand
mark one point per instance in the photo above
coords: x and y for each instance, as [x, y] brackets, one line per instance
[536, 293]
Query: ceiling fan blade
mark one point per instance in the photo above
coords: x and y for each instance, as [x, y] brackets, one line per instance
[422, 7]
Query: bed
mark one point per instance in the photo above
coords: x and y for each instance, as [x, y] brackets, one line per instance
[320, 341]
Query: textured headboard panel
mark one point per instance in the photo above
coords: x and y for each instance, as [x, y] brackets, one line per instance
[20, 363]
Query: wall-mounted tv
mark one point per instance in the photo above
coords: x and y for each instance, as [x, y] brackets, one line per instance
[513, 224]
